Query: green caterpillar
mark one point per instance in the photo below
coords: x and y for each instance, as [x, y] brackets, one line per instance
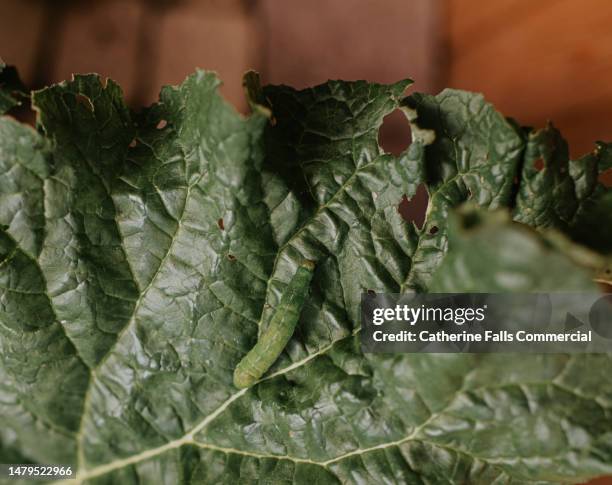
[282, 324]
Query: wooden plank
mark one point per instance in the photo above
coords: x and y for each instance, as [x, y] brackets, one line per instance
[473, 21]
[309, 42]
[551, 61]
[212, 37]
[20, 30]
[100, 37]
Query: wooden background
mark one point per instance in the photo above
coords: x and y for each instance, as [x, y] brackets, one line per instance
[534, 59]
[538, 60]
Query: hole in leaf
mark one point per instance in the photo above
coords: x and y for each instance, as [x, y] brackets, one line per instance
[433, 230]
[394, 135]
[414, 209]
[162, 124]
[23, 113]
[538, 164]
[605, 178]
[84, 101]
[220, 224]
[231, 257]
[371, 293]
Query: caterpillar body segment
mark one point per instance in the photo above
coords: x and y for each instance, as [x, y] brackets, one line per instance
[279, 331]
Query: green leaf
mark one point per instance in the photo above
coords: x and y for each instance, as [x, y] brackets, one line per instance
[142, 254]
[566, 194]
[472, 153]
[516, 258]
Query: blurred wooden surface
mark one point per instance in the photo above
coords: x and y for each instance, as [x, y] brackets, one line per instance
[141, 44]
[538, 60]
[310, 42]
[144, 44]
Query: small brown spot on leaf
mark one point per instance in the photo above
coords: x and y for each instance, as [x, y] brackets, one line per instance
[433, 230]
[220, 224]
[371, 293]
[162, 124]
[133, 143]
[605, 178]
[231, 257]
[84, 101]
[538, 164]
[414, 209]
